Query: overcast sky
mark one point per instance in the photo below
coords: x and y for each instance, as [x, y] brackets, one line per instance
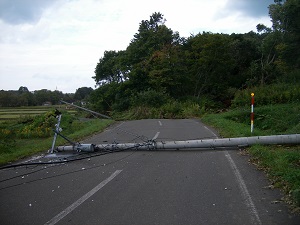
[56, 44]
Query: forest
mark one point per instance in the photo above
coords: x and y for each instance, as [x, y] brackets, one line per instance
[167, 73]
[207, 69]
[25, 97]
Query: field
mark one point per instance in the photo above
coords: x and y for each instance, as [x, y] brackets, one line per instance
[20, 112]
[25, 131]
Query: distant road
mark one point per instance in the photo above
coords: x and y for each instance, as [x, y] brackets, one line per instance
[145, 187]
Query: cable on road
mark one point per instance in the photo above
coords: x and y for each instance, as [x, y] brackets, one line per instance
[66, 160]
[78, 157]
[67, 173]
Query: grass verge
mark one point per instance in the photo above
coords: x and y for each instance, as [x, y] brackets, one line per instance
[21, 148]
[280, 163]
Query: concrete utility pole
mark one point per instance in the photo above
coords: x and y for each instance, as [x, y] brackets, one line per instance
[57, 130]
[88, 110]
[190, 144]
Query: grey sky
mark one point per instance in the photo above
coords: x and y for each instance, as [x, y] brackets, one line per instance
[23, 11]
[252, 8]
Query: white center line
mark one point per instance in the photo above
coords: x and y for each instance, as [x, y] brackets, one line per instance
[159, 122]
[156, 135]
[81, 200]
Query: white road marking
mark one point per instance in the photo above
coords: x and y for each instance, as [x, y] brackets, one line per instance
[254, 214]
[77, 203]
[156, 135]
[211, 131]
[242, 185]
[159, 122]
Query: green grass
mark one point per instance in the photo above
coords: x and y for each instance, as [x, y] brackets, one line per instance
[281, 163]
[268, 120]
[27, 130]
[20, 148]
[277, 93]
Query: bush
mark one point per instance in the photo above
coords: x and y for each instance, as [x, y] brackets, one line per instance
[172, 110]
[273, 119]
[38, 126]
[150, 98]
[279, 93]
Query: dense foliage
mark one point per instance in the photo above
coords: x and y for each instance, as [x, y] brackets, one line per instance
[159, 67]
[39, 126]
[23, 97]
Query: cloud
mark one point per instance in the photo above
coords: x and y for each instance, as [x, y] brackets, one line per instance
[23, 11]
[249, 8]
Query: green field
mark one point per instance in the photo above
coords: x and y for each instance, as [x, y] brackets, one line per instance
[8, 113]
[25, 131]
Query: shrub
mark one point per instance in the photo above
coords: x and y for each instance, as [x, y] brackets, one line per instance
[270, 94]
[150, 98]
[37, 126]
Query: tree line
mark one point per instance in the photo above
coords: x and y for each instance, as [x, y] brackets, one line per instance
[159, 65]
[24, 97]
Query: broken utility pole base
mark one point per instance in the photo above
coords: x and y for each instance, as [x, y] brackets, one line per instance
[190, 144]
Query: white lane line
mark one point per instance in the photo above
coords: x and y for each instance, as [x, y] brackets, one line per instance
[69, 209]
[254, 214]
[242, 185]
[211, 131]
[159, 122]
[156, 135]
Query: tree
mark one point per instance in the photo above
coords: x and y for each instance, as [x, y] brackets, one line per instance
[23, 89]
[105, 96]
[111, 68]
[82, 93]
[210, 64]
[44, 95]
[152, 35]
[285, 18]
[244, 50]
[165, 69]
[153, 39]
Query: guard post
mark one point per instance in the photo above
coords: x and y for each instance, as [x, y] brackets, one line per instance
[252, 112]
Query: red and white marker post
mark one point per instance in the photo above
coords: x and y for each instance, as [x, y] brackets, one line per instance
[252, 112]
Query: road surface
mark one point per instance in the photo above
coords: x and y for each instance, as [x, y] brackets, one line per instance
[144, 187]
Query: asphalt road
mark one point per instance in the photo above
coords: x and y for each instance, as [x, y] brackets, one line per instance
[144, 187]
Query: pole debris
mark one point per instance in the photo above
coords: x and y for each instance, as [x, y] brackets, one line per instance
[88, 110]
[195, 144]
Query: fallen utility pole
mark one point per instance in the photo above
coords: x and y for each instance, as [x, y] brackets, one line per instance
[88, 110]
[192, 144]
[57, 130]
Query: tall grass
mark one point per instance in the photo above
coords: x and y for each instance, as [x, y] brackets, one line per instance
[279, 93]
[171, 109]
